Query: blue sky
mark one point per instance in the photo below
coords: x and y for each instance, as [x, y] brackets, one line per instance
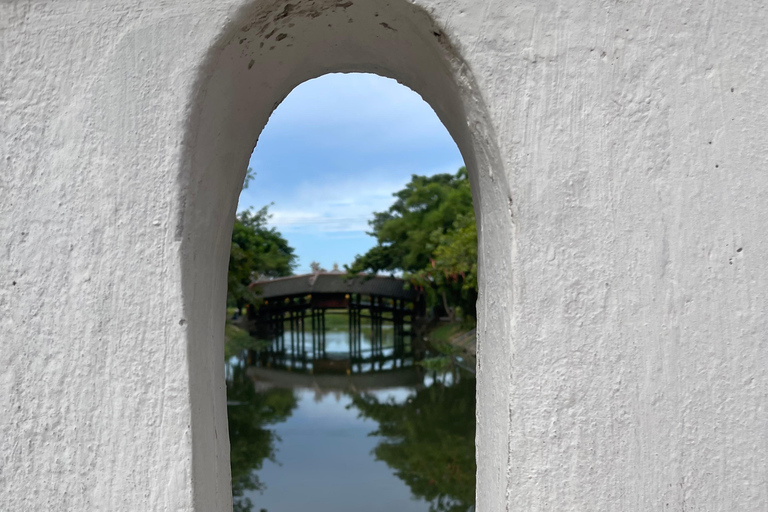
[334, 152]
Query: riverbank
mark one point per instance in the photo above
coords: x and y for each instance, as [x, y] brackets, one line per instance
[457, 340]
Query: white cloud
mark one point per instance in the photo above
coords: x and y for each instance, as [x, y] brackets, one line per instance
[333, 206]
[334, 152]
[338, 206]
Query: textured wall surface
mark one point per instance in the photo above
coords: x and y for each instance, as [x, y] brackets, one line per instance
[619, 159]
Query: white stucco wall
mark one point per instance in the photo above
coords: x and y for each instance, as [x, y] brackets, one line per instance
[619, 158]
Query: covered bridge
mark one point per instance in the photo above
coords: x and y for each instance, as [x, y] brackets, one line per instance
[335, 283]
[293, 305]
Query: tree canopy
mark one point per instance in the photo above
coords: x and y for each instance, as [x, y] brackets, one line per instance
[429, 234]
[257, 251]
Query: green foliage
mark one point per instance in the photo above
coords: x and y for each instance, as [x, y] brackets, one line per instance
[425, 208]
[456, 252]
[251, 443]
[429, 233]
[441, 334]
[441, 343]
[257, 251]
[337, 320]
[430, 442]
[439, 364]
[238, 342]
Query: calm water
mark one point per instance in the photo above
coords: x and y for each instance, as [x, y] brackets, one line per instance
[388, 439]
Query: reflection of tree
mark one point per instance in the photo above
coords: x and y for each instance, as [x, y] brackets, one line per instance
[430, 442]
[249, 413]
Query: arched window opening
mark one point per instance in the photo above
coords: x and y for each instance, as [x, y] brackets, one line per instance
[269, 49]
[350, 339]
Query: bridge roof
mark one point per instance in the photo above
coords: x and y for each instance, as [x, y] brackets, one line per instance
[334, 283]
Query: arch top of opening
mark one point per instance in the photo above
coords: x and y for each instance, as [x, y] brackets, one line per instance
[268, 49]
[271, 47]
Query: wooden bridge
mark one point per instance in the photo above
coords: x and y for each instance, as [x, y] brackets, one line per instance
[294, 308]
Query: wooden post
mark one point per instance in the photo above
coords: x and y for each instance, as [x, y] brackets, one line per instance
[358, 326]
[325, 354]
[314, 335]
[293, 331]
[303, 332]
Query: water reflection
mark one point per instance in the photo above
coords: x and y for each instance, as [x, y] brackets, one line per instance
[429, 441]
[251, 442]
[369, 347]
[379, 437]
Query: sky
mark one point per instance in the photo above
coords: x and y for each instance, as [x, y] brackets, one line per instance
[333, 152]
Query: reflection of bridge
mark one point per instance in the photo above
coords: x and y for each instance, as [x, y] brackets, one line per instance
[408, 376]
[293, 305]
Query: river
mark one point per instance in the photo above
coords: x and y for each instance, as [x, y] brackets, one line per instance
[384, 437]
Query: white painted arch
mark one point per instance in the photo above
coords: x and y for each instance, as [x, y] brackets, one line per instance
[623, 363]
[266, 50]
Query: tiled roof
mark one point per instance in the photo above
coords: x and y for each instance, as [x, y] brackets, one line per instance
[306, 284]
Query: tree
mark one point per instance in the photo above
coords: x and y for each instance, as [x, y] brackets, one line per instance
[429, 234]
[453, 268]
[257, 251]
